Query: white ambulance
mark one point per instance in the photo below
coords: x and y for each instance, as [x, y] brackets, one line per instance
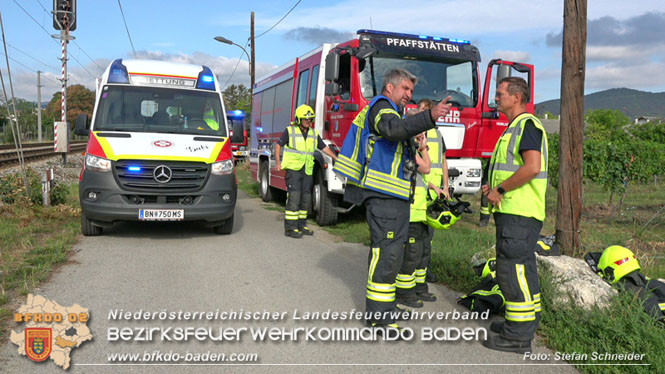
[158, 148]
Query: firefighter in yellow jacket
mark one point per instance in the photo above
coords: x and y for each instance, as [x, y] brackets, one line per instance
[299, 142]
[516, 193]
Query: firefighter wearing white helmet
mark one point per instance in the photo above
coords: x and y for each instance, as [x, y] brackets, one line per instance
[299, 142]
[516, 193]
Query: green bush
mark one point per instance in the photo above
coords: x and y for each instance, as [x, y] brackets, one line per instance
[12, 189]
[653, 132]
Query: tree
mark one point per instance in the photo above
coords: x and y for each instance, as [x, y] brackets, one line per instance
[80, 100]
[605, 124]
[27, 121]
[237, 97]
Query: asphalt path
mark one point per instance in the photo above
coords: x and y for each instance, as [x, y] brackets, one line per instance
[176, 267]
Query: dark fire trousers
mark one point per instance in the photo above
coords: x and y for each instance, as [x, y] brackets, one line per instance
[388, 221]
[298, 200]
[413, 255]
[517, 275]
[423, 266]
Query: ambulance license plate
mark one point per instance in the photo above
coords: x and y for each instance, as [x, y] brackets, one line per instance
[161, 214]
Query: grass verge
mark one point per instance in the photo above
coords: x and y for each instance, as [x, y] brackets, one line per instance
[34, 239]
[621, 328]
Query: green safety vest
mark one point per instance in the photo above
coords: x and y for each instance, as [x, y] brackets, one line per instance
[209, 118]
[435, 144]
[300, 151]
[419, 204]
[528, 200]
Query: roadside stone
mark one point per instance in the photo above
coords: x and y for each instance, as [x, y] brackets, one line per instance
[574, 281]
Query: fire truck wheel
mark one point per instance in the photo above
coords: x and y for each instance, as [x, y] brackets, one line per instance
[225, 228]
[88, 228]
[264, 184]
[325, 203]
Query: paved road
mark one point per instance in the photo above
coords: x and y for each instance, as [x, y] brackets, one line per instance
[175, 267]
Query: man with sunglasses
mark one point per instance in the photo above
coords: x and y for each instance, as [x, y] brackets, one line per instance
[516, 193]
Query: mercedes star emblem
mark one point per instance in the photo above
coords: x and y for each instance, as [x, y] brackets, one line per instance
[162, 174]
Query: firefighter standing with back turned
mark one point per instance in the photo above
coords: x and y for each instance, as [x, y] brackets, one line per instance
[516, 193]
[378, 164]
[300, 143]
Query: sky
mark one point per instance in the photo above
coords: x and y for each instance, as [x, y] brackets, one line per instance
[625, 40]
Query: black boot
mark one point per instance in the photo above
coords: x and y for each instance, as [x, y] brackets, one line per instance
[410, 300]
[431, 277]
[426, 296]
[293, 234]
[498, 343]
[497, 326]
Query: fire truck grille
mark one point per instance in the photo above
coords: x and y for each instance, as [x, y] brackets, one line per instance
[150, 175]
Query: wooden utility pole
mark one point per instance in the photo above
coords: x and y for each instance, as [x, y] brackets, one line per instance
[571, 144]
[252, 63]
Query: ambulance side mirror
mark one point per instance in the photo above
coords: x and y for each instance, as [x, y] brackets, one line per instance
[81, 126]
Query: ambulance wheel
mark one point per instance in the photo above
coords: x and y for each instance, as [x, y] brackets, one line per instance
[87, 227]
[325, 203]
[264, 184]
[225, 228]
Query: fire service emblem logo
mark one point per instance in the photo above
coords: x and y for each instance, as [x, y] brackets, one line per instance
[38, 343]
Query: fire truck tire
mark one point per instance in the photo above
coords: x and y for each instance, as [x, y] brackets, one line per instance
[88, 229]
[225, 228]
[325, 203]
[264, 182]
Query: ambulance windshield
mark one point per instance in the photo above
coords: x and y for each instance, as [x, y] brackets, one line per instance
[436, 79]
[161, 110]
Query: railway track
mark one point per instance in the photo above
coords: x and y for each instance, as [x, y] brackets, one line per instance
[33, 151]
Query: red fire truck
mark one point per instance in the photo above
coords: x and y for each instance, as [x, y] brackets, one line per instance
[240, 150]
[338, 80]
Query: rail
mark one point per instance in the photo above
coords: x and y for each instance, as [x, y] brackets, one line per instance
[33, 151]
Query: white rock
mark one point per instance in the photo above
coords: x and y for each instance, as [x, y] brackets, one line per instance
[574, 281]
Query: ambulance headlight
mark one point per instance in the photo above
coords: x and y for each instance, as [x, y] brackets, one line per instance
[222, 168]
[95, 163]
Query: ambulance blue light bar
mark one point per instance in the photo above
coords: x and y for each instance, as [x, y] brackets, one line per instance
[135, 169]
[206, 79]
[118, 72]
[403, 35]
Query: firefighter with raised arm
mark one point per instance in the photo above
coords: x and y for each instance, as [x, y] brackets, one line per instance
[516, 193]
[299, 143]
[378, 162]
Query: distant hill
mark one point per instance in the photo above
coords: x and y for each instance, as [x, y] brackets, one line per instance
[632, 103]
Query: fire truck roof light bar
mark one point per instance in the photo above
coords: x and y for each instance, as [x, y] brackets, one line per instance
[426, 37]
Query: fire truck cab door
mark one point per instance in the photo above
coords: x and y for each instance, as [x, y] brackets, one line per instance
[494, 122]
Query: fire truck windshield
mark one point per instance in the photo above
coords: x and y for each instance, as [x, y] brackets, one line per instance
[163, 110]
[436, 79]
